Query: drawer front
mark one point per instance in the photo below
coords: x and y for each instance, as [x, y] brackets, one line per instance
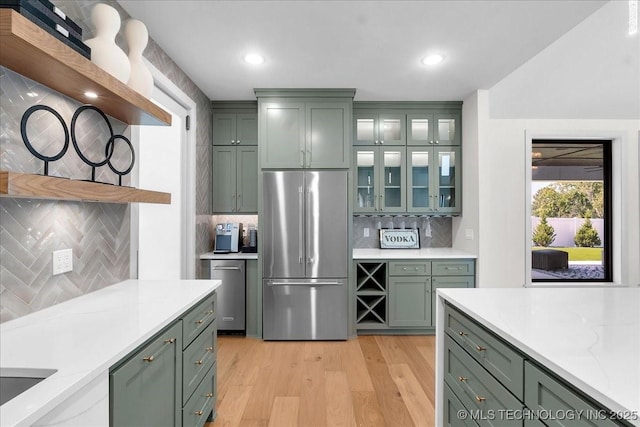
[197, 359]
[409, 268]
[476, 389]
[498, 358]
[453, 268]
[197, 410]
[197, 319]
[452, 409]
[544, 393]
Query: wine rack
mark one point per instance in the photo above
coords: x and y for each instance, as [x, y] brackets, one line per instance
[371, 294]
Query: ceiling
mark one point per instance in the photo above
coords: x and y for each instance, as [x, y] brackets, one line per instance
[375, 47]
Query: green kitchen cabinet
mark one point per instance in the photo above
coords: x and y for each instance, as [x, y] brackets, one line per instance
[398, 296]
[409, 301]
[380, 179]
[235, 128]
[434, 127]
[235, 179]
[145, 390]
[433, 180]
[304, 129]
[373, 127]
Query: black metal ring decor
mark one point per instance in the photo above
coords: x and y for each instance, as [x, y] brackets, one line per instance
[112, 143]
[109, 147]
[25, 138]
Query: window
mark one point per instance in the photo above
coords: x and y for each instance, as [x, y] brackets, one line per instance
[571, 211]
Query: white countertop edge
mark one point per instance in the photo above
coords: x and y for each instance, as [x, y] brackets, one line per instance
[31, 405]
[233, 255]
[542, 360]
[423, 253]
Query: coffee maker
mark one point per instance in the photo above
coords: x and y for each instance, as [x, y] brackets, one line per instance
[228, 238]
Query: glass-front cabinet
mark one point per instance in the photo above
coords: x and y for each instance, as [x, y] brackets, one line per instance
[433, 128]
[433, 180]
[380, 179]
[376, 128]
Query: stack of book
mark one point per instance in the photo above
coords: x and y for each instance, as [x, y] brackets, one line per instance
[51, 19]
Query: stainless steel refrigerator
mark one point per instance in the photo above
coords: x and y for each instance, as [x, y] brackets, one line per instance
[304, 228]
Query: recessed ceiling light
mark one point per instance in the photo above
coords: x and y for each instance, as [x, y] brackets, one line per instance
[434, 59]
[254, 59]
[89, 94]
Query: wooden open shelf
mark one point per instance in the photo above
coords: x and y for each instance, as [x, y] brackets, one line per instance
[29, 50]
[14, 184]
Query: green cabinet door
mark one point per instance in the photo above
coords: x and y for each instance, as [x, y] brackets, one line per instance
[447, 129]
[224, 178]
[224, 128]
[282, 134]
[247, 129]
[380, 181]
[448, 282]
[409, 301]
[146, 389]
[327, 135]
[373, 127]
[247, 179]
[446, 180]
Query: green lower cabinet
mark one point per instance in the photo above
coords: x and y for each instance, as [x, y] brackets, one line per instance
[196, 412]
[409, 301]
[145, 390]
[455, 414]
[448, 282]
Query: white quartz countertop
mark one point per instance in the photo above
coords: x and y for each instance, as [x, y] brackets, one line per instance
[590, 337]
[433, 253]
[85, 336]
[233, 255]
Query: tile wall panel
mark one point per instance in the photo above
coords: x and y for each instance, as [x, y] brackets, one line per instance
[435, 232]
[99, 234]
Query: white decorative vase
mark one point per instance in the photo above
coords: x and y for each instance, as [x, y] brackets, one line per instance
[105, 53]
[140, 80]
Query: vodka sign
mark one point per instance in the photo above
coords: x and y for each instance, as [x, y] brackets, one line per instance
[399, 239]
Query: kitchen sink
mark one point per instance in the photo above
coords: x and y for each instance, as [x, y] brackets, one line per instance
[14, 381]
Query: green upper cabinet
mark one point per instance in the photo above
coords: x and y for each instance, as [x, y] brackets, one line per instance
[433, 180]
[373, 127]
[235, 179]
[235, 128]
[433, 127]
[304, 128]
[380, 181]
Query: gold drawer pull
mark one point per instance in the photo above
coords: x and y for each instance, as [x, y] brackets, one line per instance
[462, 379]
[148, 359]
[198, 362]
[201, 321]
[462, 334]
[170, 341]
[209, 349]
[199, 413]
[480, 399]
[480, 348]
[208, 395]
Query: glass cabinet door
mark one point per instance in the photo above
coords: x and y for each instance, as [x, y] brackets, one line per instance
[391, 129]
[365, 128]
[393, 198]
[447, 129]
[419, 129]
[366, 182]
[447, 198]
[419, 198]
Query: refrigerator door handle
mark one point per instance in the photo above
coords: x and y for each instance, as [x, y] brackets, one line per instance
[308, 221]
[300, 223]
[226, 268]
[304, 283]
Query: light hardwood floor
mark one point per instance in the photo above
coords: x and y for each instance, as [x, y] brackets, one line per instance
[368, 381]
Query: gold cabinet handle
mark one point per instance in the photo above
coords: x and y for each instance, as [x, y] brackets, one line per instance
[480, 348]
[209, 349]
[170, 341]
[462, 334]
[199, 413]
[462, 379]
[198, 362]
[148, 359]
[201, 321]
[480, 399]
[208, 395]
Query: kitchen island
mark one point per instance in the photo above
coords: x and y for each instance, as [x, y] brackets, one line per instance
[581, 343]
[82, 339]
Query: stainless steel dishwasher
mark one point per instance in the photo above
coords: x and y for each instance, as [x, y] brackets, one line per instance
[231, 294]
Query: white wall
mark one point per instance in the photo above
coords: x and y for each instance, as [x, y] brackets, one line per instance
[552, 95]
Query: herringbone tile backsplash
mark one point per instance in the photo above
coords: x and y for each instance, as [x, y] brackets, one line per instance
[98, 233]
